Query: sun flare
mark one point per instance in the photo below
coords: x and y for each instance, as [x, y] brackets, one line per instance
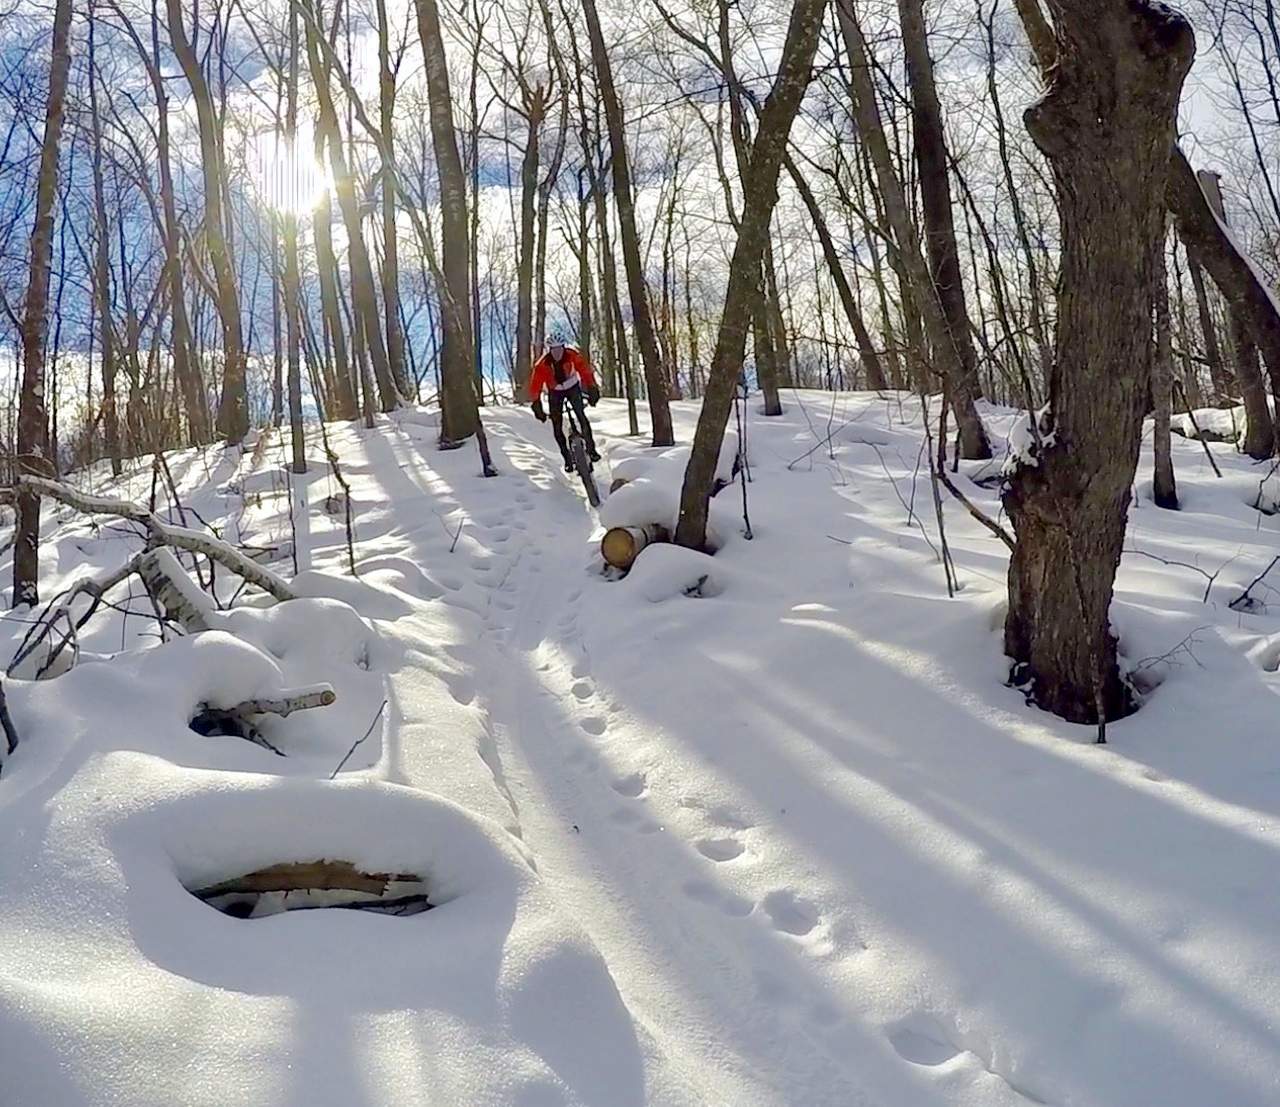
[288, 177]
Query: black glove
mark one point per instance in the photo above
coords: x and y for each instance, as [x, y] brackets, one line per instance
[593, 395]
[538, 413]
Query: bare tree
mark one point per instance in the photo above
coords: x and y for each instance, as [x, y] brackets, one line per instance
[233, 410]
[642, 320]
[1106, 125]
[760, 195]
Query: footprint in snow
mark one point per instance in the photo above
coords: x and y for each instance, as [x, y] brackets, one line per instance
[789, 913]
[594, 724]
[719, 849]
[632, 786]
[581, 668]
[462, 689]
[583, 690]
[920, 1040]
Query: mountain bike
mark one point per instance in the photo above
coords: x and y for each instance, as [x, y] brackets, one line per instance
[581, 458]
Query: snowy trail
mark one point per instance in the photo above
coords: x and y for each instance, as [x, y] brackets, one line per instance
[631, 866]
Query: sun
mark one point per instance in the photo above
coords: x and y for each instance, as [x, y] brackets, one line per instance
[287, 176]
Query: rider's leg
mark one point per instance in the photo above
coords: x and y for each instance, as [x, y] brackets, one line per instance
[557, 424]
[579, 406]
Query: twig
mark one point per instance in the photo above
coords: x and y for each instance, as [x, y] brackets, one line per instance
[454, 534]
[986, 520]
[1210, 577]
[1243, 601]
[359, 740]
[1182, 647]
[1195, 426]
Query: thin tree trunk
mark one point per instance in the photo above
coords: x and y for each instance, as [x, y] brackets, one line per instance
[292, 280]
[460, 415]
[919, 291]
[528, 245]
[939, 225]
[102, 268]
[866, 348]
[1218, 373]
[1164, 486]
[659, 411]
[390, 232]
[233, 409]
[364, 295]
[760, 195]
[32, 425]
[343, 387]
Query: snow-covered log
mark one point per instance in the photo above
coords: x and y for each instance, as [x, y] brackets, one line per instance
[174, 591]
[298, 699]
[162, 533]
[622, 545]
[240, 720]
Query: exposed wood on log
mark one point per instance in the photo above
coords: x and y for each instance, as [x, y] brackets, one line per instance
[297, 876]
[622, 545]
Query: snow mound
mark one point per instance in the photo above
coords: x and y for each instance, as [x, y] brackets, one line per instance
[655, 480]
[663, 571]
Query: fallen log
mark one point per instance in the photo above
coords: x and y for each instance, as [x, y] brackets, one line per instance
[315, 885]
[297, 876]
[239, 721]
[622, 545]
[176, 593]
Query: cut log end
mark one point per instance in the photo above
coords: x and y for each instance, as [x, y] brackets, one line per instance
[622, 545]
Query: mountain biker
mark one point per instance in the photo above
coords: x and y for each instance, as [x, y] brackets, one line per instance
[567, 377]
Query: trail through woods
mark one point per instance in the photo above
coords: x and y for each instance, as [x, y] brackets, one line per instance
[761, 828]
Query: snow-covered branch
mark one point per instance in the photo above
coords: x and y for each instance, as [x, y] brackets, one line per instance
[162, 533]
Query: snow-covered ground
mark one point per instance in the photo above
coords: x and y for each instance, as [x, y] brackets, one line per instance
[763, 828]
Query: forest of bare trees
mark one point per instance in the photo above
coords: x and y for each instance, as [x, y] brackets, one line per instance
[221, 216]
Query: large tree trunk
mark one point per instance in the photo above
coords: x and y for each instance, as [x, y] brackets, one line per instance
[939, 225]
[760, 194]
[33, 443]
[233, 409]
[1106, 124]
[918, 293]
[641, 318]
[460, 415]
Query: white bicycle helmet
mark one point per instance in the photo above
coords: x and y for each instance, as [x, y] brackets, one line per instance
[556, 338]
